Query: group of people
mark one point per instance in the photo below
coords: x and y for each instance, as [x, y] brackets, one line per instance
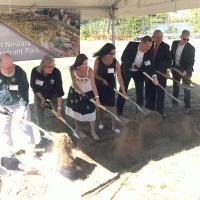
[98, 83]
[151, 56]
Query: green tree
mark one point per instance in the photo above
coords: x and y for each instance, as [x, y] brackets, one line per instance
[194, 19]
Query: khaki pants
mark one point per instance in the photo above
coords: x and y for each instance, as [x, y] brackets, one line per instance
[24, 132]
[55, 124]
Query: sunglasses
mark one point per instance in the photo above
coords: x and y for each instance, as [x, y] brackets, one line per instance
[112, 54]
[186, 39]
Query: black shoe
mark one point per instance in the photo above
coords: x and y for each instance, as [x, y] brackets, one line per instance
[163, 114]
[120, 115]
[44, 142]
[10, 163]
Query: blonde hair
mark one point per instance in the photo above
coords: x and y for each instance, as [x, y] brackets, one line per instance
[46, 61]
[186, 32]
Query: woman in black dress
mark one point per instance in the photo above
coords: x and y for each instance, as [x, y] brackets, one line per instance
[104, 69]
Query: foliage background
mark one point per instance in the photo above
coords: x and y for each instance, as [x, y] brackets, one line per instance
[128, 28]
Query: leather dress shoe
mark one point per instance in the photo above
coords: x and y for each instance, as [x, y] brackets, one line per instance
[44, 142]
[163, 114]
[187, 111]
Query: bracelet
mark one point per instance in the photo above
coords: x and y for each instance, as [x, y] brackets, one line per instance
[154, 76]
[59, 108]
[96, 96]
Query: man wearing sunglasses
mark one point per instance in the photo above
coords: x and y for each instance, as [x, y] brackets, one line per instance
[183, 54]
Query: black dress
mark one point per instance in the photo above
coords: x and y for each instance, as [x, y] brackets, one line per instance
[106, 93]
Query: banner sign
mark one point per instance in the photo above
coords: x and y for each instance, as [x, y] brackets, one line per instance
[30, 35]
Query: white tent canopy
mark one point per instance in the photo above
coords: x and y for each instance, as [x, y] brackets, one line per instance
[106, 8]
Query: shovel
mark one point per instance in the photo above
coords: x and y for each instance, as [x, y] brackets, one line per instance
[47, 135]
[139, 108]
[104, 108]
[182, 85]
[195, 84]
[171, 96]
[48, 105]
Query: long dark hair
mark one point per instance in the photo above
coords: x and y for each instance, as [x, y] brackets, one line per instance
[106, 49]
[79, 61]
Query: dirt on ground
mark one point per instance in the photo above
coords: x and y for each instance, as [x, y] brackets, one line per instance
[95, 165]
[138, 133]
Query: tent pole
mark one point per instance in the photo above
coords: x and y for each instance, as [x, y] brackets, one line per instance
[108, 30]
[113, 26]
[113, 32]
[112, 17]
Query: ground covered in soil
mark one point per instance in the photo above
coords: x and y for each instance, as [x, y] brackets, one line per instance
[114, 162]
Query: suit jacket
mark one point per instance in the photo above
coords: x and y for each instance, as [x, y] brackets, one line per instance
[128, 58]
[163, 59]
[187, 56]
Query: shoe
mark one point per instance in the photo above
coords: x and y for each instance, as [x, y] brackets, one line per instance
[116, 130]
[101, 126]
[163, 114]
[44, 142]
[95, 136]
[173, 106]
[10, 163]
[120, 115]
[187, 111]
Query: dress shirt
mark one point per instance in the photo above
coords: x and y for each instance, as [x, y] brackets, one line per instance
[178, 54]
[138, 60]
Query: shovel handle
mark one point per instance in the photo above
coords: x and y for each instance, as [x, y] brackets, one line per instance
[147, 75]
[55, 113]
[178, 72]
[94, 102]
[162, 74]
[184, 76]
[120, 93]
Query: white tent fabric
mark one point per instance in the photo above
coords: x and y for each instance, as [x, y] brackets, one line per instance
[91, 9]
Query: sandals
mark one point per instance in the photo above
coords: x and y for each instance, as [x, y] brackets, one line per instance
[95, 136]
[116, 130]
[101, 126]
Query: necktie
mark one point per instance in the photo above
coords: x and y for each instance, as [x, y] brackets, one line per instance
[155, 51]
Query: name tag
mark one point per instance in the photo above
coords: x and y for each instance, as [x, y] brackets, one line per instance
[111, 70]
[13, 87]
[39, 82]
[147, 63]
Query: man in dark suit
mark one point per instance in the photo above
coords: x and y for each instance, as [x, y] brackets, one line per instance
[183, 54]
[162, 62]
[138, 54]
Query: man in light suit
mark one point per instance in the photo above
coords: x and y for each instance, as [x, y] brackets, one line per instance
[138, 54]
[183, 54]
[162, 63]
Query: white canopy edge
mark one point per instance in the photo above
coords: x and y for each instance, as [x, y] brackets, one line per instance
[91, 9]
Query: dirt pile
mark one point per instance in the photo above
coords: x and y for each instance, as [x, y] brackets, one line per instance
[136, 136]
[56, 174]
[68, 164]
[177, 126]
